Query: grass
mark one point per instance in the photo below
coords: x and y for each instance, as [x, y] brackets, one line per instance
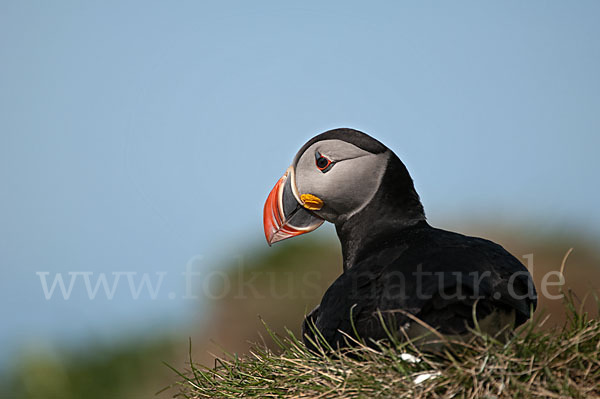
[557, 363]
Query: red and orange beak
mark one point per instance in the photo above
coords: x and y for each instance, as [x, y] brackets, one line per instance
[284, 216]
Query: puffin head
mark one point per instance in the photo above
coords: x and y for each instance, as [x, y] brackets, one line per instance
[333, 177]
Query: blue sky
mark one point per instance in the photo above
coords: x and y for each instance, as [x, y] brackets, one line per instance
[135, 136]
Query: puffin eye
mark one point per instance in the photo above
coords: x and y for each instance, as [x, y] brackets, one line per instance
[323, 163]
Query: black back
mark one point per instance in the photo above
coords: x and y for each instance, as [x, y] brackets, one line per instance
[433, 274]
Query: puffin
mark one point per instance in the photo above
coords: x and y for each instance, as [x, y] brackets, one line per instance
[402, 278]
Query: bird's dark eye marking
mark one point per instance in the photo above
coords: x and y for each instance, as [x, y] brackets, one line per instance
[323, 163]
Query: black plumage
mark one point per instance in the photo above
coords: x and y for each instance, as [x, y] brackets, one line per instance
[435, 275]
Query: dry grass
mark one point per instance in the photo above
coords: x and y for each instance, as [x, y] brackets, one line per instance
[558, 363]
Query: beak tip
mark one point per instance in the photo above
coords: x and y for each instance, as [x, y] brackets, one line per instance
[269, 242]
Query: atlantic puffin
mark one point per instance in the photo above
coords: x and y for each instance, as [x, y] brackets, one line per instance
[400, 274]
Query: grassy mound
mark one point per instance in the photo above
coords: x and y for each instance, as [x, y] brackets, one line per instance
[560, 362]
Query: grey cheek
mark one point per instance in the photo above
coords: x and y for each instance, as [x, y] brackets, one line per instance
[305, 183]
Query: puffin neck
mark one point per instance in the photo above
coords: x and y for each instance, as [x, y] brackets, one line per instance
[394, 208]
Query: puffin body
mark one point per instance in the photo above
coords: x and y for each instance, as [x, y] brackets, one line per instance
[400, 274]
